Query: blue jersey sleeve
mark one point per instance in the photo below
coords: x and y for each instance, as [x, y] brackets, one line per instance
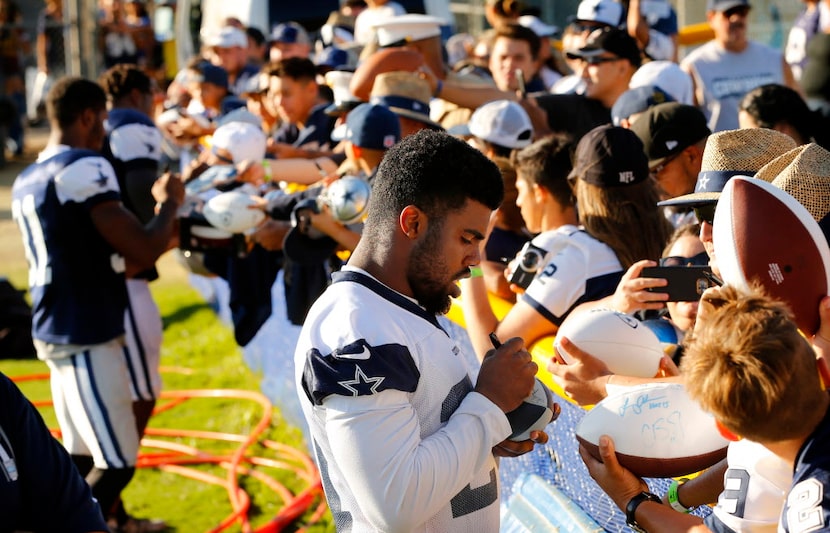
[39, 478]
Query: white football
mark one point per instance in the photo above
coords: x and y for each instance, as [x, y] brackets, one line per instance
[658, 431]
[348, 199]
[534, 414]
[231, 211]
[622, 342]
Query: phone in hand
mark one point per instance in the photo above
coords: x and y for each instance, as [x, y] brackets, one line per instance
[520, 80]
[686, 283]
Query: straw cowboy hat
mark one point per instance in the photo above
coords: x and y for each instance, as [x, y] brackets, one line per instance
[733, 153]
[803, 173]
[405, 94]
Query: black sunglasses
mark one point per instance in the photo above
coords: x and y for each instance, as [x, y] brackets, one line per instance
[599, 60]
[737, 10]
[705, 213]
[701, 259]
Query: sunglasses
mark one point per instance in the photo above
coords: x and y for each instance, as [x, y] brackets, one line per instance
[701, 259]
[655, 172]
[599, 60]
[741, 11]
[705, 213]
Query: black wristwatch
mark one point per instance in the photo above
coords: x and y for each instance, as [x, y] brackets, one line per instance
[631, 508]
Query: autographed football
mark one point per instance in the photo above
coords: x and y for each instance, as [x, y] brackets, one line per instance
[658, 431]
[233, 211]
[622, 342]
[534, 414]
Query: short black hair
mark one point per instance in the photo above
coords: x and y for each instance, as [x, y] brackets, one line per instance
[256, 35]
[121, 79]
[771, 104]
[517, 32]
[547, 163]
[437, 173]
[296, 68]
[71, 96]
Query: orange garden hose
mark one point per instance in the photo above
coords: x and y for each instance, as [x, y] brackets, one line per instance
[237, 460]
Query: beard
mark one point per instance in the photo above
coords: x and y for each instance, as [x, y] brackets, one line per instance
[427, 275]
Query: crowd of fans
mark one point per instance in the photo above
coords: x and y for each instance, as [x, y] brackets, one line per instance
[611, 151]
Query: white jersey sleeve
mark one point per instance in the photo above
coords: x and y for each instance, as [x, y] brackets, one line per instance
[136, 141]
[85, 179]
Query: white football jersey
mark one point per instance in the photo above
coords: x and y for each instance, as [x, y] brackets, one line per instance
[402, 441]
[754, 488]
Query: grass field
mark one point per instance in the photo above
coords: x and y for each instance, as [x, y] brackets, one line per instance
[198, 353]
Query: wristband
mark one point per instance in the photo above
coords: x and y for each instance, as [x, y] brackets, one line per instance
[673, 499]
[438, 88]
[475, 272]
[266, 166]
[631, 509]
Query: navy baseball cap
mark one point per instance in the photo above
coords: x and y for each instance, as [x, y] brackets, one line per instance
[290, 33]
[637, 100]
[725, 5]
[213, 74]
[332, 58]
[668, 129]
[370, 126]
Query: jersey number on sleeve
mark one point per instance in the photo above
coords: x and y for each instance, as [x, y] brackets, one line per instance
[24, 213]
[804, 512]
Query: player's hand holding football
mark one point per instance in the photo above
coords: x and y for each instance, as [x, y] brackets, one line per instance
[584, 379]
[507, 375]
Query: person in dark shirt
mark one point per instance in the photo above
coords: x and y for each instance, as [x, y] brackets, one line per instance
[38, 474]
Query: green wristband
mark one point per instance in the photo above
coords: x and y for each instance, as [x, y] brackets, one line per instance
[475, 272]
[672, 497]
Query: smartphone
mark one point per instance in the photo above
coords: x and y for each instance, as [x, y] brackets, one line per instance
[686, 283]
[520, 80]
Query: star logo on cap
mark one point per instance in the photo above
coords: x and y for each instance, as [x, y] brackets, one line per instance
[671, 145]
[702, 183]
[360, 385]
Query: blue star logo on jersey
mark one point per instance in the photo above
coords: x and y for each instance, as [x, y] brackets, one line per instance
[102, 179]
[150, 147]
[360, 385]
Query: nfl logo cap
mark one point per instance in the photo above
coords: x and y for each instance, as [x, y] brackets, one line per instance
[370, 126]
[610, 40]
[725, 5]
[610, 156]
[227, 37]
[668, 129]
[289, 33]
[397, 31]
[606, 12]
[733, 153]
[634, 101]
[503, 122]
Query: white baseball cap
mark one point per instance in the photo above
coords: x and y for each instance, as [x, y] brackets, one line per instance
[668, 76]
[539, 28]
[227, 37]
[606, 12]
[407, 28]
[504, 123]
[243, 140]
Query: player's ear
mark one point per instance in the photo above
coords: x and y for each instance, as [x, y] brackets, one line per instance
[412, 222]
[725, 433]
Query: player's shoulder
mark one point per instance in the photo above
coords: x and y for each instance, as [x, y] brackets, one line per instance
[85, 178]
[118, 118]
[132, 135]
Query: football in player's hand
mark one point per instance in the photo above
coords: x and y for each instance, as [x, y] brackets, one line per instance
[534, 414]
[233, 211]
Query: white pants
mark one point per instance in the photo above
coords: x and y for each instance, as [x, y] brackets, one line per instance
[90, 390]
[142, 324]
